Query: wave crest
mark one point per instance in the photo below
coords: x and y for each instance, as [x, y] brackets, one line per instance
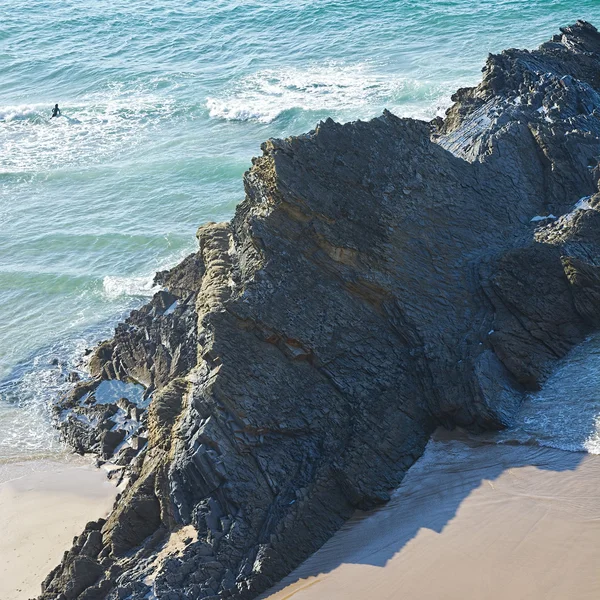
[19, 113]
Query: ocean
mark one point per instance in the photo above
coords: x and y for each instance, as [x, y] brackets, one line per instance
[163, 106]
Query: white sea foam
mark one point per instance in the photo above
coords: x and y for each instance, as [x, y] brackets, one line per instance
[115, 287]
[91, 129]
[582, 204]
[358, 88]
[12, 113]
[140, 285]
[26, 397]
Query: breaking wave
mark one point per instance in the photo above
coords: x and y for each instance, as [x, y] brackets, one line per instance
[19, 113]
[115, 287]
[337, 89]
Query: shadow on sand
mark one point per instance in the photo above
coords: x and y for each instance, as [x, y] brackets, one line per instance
[564, 414]
[451, 469]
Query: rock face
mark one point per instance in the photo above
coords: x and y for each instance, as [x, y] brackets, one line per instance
[379, 279]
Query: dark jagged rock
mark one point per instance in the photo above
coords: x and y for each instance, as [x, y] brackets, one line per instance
[91, 422]
[379, 279]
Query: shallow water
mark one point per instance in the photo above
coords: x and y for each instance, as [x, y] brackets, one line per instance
[565, 413]
[164, 105]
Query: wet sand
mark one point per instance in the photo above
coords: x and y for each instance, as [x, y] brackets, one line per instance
[470, 521]
[43, 505]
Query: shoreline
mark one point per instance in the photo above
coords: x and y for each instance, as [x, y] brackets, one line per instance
[378, 277]
[470, 520]
[497, 520]
[44, 503]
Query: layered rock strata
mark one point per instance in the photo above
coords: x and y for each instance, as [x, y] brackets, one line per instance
[380, 278]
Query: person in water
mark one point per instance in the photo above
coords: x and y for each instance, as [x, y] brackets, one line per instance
[55, 111]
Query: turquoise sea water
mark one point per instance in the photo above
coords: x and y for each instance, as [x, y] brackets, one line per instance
[164, 105]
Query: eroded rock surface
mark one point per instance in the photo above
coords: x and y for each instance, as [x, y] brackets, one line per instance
[380, 278]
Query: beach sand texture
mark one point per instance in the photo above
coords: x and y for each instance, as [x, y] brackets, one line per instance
[43, 505]
[470, 521]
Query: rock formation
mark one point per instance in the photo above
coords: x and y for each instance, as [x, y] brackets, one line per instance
[379, 279]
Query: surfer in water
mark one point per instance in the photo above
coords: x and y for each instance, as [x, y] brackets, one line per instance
[55, 111]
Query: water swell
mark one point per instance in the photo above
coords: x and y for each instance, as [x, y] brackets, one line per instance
[30, 388]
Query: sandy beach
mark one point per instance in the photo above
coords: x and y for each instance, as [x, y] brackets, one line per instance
[470, 521]
[43, 505]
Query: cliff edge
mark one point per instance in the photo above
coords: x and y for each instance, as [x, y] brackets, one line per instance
[380, 278]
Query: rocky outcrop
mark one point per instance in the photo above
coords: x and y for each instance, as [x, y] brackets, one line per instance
[379, 279]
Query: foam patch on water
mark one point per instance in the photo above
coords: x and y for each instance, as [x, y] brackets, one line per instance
[90, 130]
[141, 286]
[116, 287]
[26, 397]
[358, 89]
[565, 414]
